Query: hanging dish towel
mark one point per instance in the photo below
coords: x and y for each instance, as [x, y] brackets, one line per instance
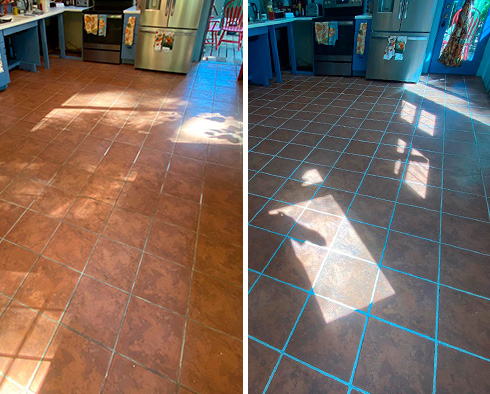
[333, 33]
[361, 38]
[157, 45]
[321, 32]
[401, 43]
[452, 54]
[102, 25]
[91, 23]
[129, 33]
[390, 48]
[1, 66]
[168, 41]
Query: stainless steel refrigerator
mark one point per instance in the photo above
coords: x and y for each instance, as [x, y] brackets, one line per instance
[410, 18]
[174, 23]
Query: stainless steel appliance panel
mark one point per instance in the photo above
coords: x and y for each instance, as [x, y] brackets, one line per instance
[185, 14]
[418, 16]
[387, 15]
[155, 12]
[177, 60]
[407, 70]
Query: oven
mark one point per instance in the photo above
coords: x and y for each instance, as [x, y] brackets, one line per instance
[106, 49]
[337, 59]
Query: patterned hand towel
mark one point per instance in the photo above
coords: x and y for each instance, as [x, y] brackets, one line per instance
[168, 41]
[91, 23]
[321, 32]
[1, 66]
[102, 25]
[361, 38]
[401, 43]
[390, 48]
[157, 46]
[333, 34]
[129, 34]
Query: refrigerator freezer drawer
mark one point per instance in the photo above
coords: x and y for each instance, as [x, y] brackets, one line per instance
[178, 60]
[407, 70]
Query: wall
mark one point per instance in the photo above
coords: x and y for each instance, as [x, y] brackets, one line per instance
[484, 69]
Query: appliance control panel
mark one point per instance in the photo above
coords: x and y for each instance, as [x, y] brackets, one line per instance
[342, 3]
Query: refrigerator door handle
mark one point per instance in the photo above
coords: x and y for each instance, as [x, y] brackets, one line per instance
[155, 31]
[408, 38]
[407, 2]
[166, 7]
[173, 8]
[400, 9]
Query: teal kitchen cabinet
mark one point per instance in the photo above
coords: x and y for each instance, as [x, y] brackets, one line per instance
[4, 75]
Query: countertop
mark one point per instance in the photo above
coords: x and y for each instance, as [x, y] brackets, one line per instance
[132, 10]
[18, 20]
[280, 21]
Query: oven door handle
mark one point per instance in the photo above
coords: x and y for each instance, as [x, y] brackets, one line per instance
[114, 16]
[341, 23]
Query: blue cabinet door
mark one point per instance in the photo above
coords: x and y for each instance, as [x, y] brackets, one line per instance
[4, 75]
[128, 52]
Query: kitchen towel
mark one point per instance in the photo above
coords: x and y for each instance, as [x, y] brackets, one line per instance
[168, 41]
[157, 46]
[91, 23]
[401, 43]
[321, 32]
[102, 25]
[129, 33]
[361, 38]
[390, 48]
[333, 33]
[1, 66]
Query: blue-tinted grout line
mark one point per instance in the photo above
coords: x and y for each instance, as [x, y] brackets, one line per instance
[384, 249]
[477, 148]
[436, 328]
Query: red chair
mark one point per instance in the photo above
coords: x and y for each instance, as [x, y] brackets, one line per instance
[232, 22]
[475, 18]
[213, 30]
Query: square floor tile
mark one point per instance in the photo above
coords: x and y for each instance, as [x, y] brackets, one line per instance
[273, 310]
[9, 213]
[96, 310]
[212, 362]
[41, 170]
[176, 211]
[128, 377]
[327, 336]
[265, 185]
[261, 362]
[33, 231]
[172, 243]
[293, 377]
[383, 188]
[54, 202]
[465, 233]
[163, 283]
[360, 240]
[221, 223]
[138, 199]
[353, 162]
[22, 191]
[178, 186]
[297, 263]
[371, 211]
[465, 270]
[463, 204]
[460, 372]
[25, 336]
[71, 179]
[416, 221]
[127, 227]
[463, 321]
[413, 255]
[103, 188]
[215, 304]
[261, 247]
[72, 363]
[296, 193]
[71, 246]
[89, 214]
[316, 228]
[407, 301]
[394, 361]
[48, 288]
[343, 180]
[347, 280]
[153, 337]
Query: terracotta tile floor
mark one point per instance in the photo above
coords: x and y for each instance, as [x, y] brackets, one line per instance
[369, 236]
[120, 230]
